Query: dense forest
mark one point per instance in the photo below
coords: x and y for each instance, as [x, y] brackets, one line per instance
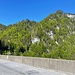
[53, 37]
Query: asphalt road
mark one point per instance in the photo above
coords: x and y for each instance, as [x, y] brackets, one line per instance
[12, 68]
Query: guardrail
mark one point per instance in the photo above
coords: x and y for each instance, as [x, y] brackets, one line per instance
[55, 64]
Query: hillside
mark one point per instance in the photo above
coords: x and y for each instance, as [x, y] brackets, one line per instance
[2, 27]
[53, 37]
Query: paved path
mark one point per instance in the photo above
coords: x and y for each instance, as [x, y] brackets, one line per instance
[12, 68]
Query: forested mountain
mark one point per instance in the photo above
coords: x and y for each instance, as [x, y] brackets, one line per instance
[53, 37]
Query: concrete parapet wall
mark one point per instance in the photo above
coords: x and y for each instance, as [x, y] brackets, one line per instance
[62, 65]
[55, 64]
[28, 60]
[3, 57]
[15, 59]
[41, 62]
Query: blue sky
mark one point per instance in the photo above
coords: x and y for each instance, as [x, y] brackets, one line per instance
[13, 11]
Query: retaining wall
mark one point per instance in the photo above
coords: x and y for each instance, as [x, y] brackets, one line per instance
[55, 64]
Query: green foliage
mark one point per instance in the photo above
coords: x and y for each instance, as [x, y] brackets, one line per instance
[37, 49]
[56, 34]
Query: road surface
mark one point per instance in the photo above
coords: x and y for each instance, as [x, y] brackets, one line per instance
[12, 68]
